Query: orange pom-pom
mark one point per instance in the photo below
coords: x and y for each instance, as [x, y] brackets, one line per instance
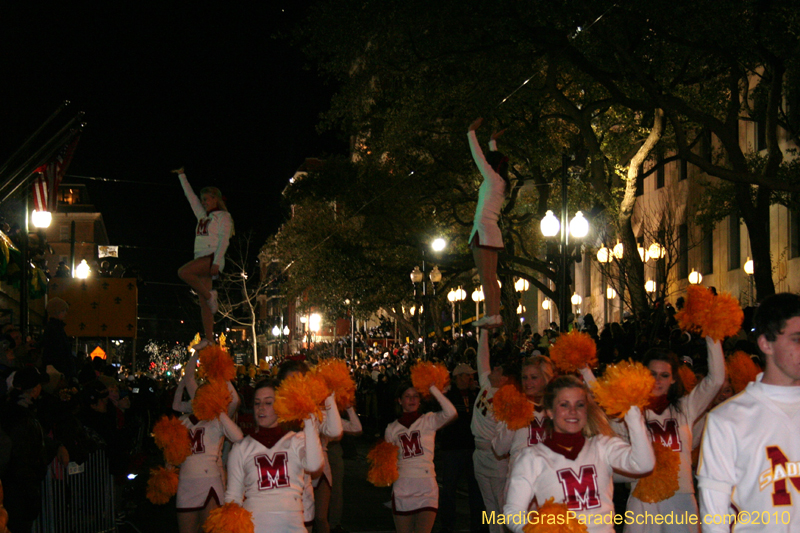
[162, 485]
[512, 407]
[687, 377]
[622, 386]
[173, 438]
[211, 399]
[338, 379]
[711, 316]
[662, 483]
[230, 518]
[299, 397]
[383, 464]
[725, 319]
[573, 351]
[217, 363]
[741, 370]
[553, 517]
[425, 374]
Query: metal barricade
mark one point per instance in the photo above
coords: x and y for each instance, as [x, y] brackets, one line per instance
[77, 498]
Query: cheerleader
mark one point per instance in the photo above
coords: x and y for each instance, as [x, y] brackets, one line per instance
[575, 463]
[491, 471]
[670, 417]
[536, 373]
[317, 490]
[201, 478]
[212, 235]
[485, 238]
[266, 470]
[415, 494]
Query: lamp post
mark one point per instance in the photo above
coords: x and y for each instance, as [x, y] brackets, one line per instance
[695, 277]
[749, 270]
[418, 276]
[578, 227]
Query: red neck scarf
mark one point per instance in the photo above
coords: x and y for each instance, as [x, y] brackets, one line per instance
[407, 419]
[567, 444]
[269, 436]
[658, 404]
[193, 419]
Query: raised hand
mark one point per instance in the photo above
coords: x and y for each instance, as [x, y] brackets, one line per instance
[477, 124]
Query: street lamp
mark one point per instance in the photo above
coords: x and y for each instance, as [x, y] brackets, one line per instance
[82, 270]
[438, 244]
[695, 278]
[604, 255]
[578, 227]
[749, 270]
[656, 251]
[650, 285]
[521, 285]
[41, 219]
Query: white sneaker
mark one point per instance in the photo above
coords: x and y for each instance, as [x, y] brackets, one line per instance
[489, 322]
[213, 304]
[205, 343]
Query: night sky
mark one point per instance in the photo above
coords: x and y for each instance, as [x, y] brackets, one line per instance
[216, 89]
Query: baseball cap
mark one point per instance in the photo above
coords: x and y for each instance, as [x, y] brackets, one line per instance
[462, 368]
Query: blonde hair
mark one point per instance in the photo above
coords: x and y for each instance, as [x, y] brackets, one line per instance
[216, 193]
[596, 421]
[543, 363]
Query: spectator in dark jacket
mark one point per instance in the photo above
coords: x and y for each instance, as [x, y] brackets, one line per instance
[31, 450]
[56, 347]
[454, 449]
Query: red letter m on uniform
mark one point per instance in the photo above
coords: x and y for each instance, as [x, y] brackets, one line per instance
[196, 438]
[667, 432]
[412, 444]
[272, 473]
[580, 491]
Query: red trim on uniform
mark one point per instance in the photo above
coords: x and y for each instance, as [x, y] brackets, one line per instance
[567, 444]
[415, 511]
[658, 404]
[211, 493]
[476, 242]
[406, 419]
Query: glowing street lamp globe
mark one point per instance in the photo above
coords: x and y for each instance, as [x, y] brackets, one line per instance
[82, 270]
[604, 255]
[579, 226]
[438, 244]
[695, 278]
[41, 219]
[748, 267]
[546, 304]
[576, 299]
[610, 293]
[276, 331]
[521, 285]
[550, 225]
[650, 286]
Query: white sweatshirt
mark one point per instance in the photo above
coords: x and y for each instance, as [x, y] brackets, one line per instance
[213, 231]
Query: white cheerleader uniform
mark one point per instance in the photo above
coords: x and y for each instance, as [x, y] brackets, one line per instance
[513, 442]
[491, 196]
[201, 476]
[269, 482]
[491, 471]
[673, 429]
[213, 231]
[416, 489]
[329, 429]
[584, 484]
[750, 460]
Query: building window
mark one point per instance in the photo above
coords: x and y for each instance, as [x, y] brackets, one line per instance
[640, 181]
[734, 243]
[587, 275]
[708, 252]
[660, 169]
[683, 251]
[794, 233]
[64, 232]
[69, 196]
[761, 135]
[684, 170]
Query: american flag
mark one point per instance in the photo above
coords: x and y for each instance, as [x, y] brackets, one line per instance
[45, 186]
